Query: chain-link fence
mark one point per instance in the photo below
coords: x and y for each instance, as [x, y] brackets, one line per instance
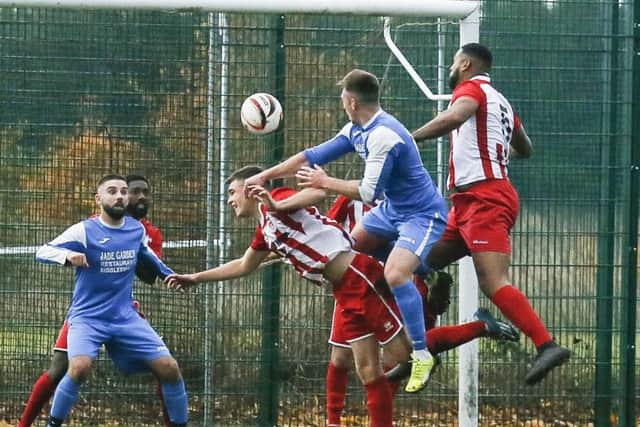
[85, 93]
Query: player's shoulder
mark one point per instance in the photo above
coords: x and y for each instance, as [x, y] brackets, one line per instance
[133, 225]
[148, 225]
[92, 221]
[469, 85]
[388, 126]
[281, 193]
[346, 130]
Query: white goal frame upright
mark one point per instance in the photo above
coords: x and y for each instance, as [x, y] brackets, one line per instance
[466, 11]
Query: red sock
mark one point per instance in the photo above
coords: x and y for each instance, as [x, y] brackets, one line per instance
[393, 385]
[165, 413]
[380, 403]
[516, 307]
[445, 338]
[336, 390]
[42, 391]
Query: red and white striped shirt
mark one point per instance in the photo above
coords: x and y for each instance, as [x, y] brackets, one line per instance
[480, 146]
[306, 239]
[348, 212]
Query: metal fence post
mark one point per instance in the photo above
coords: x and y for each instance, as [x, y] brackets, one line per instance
[630, 276]
[272, 277]
[606, 239]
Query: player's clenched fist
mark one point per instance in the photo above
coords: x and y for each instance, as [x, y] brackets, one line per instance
[77, 259]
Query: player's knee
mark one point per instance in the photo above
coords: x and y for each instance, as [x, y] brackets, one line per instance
[80, 369]
[341, 358]
[395, 276]
[368, 372]
[166, 369]
[59, 366]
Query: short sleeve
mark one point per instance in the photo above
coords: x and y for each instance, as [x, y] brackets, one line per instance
[340, 209]
[258, 243]
[282, 193]
[470, 89]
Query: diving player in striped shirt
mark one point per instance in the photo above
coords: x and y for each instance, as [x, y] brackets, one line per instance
[319, 250]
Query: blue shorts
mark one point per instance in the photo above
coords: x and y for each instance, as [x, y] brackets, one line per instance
[414, 231]
[132, 344]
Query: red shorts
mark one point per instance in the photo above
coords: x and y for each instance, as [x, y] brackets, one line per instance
[61, 341]
[483, 215]
[360, 312]
[337, 336]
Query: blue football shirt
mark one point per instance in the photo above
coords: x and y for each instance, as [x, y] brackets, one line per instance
[104, 289]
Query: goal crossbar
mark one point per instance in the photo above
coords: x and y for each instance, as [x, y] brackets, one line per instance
[431, 8]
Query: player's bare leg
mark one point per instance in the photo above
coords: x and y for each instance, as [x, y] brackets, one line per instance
[446, 252]
[379, 399]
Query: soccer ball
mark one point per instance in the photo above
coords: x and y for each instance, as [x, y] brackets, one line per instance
[261, 113]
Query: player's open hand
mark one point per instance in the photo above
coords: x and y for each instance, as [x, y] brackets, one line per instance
[314, 177]
[262, 195]
[77, 259]
[180, 282]
[255, 180]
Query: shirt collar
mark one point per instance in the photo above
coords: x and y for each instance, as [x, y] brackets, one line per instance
[115, 227]
[484, 77]
[372, 119]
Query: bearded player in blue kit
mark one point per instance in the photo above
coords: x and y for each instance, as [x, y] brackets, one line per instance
[105, 251]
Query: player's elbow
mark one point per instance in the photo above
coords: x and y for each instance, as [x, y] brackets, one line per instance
[521, 144]
[367, 193]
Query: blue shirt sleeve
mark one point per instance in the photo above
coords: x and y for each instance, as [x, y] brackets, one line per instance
[329, 150]
[73, 239]
[383, 145]
[149, 261]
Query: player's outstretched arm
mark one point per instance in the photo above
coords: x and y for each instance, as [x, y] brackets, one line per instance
[285, 169]
[446, 121]
[300, 200]
[239, 267]
[316, 177]
[152, 266]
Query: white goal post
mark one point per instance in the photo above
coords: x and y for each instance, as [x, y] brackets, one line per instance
[468, 354]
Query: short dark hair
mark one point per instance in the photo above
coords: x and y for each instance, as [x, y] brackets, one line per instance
[134, 177]
[244, 173]
[109, 177]
[479, 52]
[363, 84]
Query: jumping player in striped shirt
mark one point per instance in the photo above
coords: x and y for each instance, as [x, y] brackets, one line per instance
[483, 131]
[402, 229]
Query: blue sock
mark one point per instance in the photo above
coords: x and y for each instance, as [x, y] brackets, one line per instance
[64, 398]
[175, 397]
[410, 304]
